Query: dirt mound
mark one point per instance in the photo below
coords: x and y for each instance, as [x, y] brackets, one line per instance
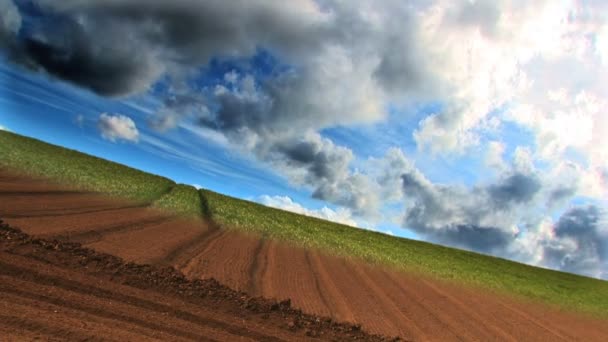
[382, 301]
[34, 278]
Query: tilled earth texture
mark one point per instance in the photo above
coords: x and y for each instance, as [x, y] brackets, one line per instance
[79, 266]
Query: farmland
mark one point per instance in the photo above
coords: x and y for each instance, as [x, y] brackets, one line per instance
[71, 167]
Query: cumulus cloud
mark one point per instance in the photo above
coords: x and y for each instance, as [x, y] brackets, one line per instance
[340, 215]
[484, 218]
[580, 243]
[117, 127]
[2, 128]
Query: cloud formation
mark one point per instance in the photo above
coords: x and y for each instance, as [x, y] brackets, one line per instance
[580, 244]
[117, 127]
[482, 218]
[10, 20]
[341, 215]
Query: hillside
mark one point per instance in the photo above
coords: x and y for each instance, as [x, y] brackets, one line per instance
[561, 289]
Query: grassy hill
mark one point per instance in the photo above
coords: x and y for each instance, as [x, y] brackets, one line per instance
[562, 289]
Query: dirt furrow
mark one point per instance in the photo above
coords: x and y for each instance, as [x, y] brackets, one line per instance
[95, 235]
[157, 303]
[87, 226]
[184, 252]
[228, 257]
[48, 214]
[340, 302]
[149, 243]
[73, 324]
[69, 293]
[258, 266]
[36, 328]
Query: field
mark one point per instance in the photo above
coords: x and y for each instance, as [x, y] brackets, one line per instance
[56, 291]
[55, 274]
[557, 288]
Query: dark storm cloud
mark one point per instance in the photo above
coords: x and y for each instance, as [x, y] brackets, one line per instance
[581, 242]
[561, 194]
[515, 188]
[482, 239]
[113, 74]
[322, 163]
[481, 218]
[123, 47]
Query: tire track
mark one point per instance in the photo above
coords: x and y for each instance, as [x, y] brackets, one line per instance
[406, 325]
[316, 280]
[98, 234]
[340, 303]
[257, 267]
[366, 305]
[441, 323]
[97, 312]
[457, 304]
[37, 327]
[74, 212]
[187, 250]
[77, 321]
[88, 290]
[185, 261]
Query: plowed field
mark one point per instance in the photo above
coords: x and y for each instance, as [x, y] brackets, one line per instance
[383, 301]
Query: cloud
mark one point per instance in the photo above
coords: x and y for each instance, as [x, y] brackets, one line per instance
[2, 128]
[537, 62]
[494, 157]
[580, 243]
[483, 218]
[10, 19]
[117, 127]
[340, 215]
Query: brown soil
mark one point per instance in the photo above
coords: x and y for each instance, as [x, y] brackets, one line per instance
[382, 301]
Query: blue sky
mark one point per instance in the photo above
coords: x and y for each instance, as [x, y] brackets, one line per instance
[475, 125]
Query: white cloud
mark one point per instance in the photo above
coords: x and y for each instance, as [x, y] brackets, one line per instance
[10, 19]
[495, 155]
[490, 54]
[117, 127]
[2, 128]
[341, 215]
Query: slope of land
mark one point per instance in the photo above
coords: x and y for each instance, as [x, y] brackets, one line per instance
[89, 173]
[61, 291]
[383, 301]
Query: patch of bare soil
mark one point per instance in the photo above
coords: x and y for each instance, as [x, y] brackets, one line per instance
[62, 291]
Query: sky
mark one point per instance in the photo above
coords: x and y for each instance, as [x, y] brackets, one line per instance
[480, 125]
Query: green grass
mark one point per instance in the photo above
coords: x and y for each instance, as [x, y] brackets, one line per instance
[183, 200]
[558, 288]
[72, 167]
